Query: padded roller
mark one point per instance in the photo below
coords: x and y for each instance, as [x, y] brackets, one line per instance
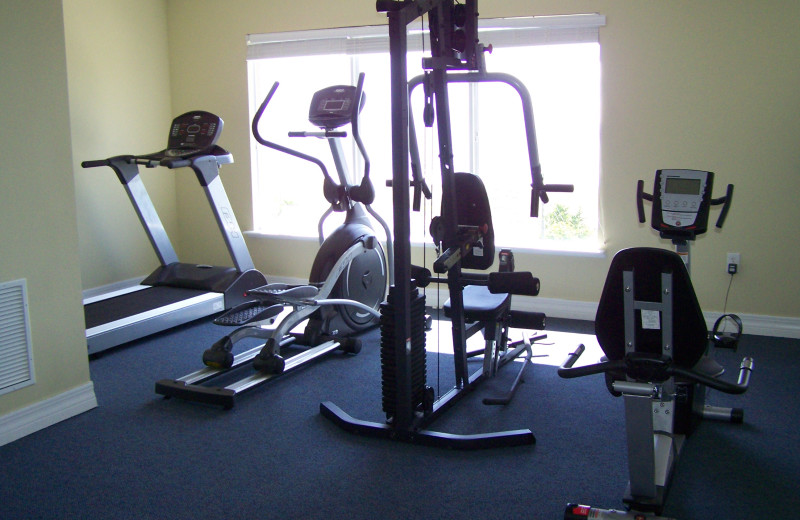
[522, 283]
[528, 320]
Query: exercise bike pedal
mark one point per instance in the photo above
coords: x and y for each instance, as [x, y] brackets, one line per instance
[248, 312]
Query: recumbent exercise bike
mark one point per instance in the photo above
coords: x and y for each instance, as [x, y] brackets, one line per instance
[653, 333]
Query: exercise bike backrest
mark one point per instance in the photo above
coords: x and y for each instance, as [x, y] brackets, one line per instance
[647, 357]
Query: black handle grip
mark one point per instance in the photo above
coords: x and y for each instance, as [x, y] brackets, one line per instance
[169, 163]
[726, 205]
[560, 188]
[383, 6]
[294, 153]
[573, 356]
[95, 164]
[641, 196]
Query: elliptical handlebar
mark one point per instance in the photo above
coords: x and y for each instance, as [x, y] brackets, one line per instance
[260, 139]
[364, 192]
[354, 123]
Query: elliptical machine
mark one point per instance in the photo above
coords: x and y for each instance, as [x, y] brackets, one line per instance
[348, 278]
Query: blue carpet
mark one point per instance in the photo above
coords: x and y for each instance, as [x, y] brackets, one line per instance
[140, 456]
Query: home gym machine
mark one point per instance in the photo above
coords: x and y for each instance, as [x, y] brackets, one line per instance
[465, 233]
[348, 277]
[175, 293]
[654, 336]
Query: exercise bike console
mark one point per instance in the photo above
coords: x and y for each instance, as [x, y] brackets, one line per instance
[681, 203]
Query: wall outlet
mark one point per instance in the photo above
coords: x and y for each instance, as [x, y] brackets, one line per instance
[732, 263]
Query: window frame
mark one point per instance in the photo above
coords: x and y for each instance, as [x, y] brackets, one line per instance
[501, 32]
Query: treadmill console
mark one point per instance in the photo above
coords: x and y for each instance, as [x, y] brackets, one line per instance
[332, 107]
[193, 132]
[681, 201]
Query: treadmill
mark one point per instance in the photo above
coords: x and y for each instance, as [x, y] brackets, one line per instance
[175, 293]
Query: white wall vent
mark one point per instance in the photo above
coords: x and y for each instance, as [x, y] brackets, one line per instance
[16, 359]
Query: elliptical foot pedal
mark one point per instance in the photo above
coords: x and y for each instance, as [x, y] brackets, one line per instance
[248, 312]
[270, 364]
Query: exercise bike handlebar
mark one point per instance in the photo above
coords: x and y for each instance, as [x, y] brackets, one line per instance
[725, 201]
[726, 205]
[260, 139]
[641, 196]
[567, 371]
[740, 387]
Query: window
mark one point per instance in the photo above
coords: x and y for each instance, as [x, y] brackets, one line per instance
[557, 58]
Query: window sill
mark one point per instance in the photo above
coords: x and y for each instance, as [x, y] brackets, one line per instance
[567, 250]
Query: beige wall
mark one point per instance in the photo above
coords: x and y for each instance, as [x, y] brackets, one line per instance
[38, 233]
[120, 104]
[706, 85]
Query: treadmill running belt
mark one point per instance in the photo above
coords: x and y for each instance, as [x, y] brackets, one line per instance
[106, 311]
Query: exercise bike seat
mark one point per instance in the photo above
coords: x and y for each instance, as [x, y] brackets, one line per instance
[482, 305]
[284, 292]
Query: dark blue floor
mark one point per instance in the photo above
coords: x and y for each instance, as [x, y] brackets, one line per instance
[140, 456]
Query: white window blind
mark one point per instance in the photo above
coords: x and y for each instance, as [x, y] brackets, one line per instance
[501, 32]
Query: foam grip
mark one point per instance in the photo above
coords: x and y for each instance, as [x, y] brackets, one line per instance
[527, 320]
[521, 282]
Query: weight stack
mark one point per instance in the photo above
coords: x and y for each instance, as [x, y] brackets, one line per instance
[389, 381]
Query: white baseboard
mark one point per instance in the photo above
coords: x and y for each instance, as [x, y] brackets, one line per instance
[112, 287]
[38, 416]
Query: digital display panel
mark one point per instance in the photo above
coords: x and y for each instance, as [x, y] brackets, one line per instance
[334, 105]
[682, 186]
